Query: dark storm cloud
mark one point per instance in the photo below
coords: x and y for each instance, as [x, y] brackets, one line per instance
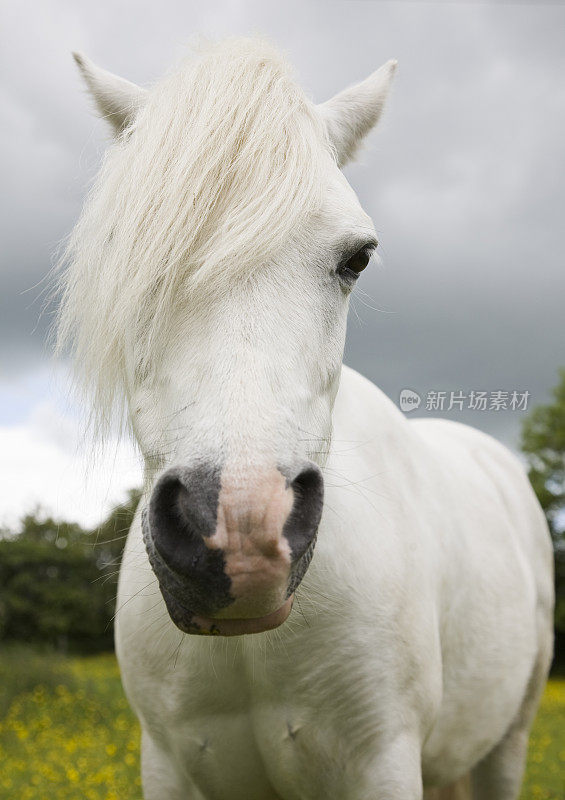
[464, 180]
[470, 212]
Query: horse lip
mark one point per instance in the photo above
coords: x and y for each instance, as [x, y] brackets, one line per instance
[209, 626]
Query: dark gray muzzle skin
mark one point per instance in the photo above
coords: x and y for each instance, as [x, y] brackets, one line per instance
[181, 515]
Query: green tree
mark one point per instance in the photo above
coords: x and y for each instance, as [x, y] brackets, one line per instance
[109, 538]
[543, 443]
[58, 581]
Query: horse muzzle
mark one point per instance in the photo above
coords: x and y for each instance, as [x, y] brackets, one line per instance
[230, 548]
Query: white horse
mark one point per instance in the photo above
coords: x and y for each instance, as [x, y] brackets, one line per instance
[206, 287]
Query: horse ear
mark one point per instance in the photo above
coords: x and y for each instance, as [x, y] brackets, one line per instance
[117, 100]
[350, 115]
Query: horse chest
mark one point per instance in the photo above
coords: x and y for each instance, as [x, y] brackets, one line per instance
[237, 732]
[261, 752]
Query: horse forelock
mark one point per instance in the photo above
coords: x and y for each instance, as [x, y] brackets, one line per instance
[217, 169]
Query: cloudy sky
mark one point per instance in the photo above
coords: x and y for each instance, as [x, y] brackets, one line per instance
[464, 181]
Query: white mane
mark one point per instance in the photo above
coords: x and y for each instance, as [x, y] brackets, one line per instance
[219, 165]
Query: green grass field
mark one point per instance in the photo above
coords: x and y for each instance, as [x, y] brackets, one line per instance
[67, 733]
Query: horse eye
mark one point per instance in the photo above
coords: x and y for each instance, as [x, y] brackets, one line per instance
[357, 262]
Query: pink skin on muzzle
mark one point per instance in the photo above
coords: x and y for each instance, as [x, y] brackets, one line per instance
[252, 512]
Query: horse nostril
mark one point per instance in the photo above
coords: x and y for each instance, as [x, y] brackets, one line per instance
[181, 514]
[302, 524]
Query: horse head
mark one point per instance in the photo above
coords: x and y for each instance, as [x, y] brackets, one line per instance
[207, 287]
